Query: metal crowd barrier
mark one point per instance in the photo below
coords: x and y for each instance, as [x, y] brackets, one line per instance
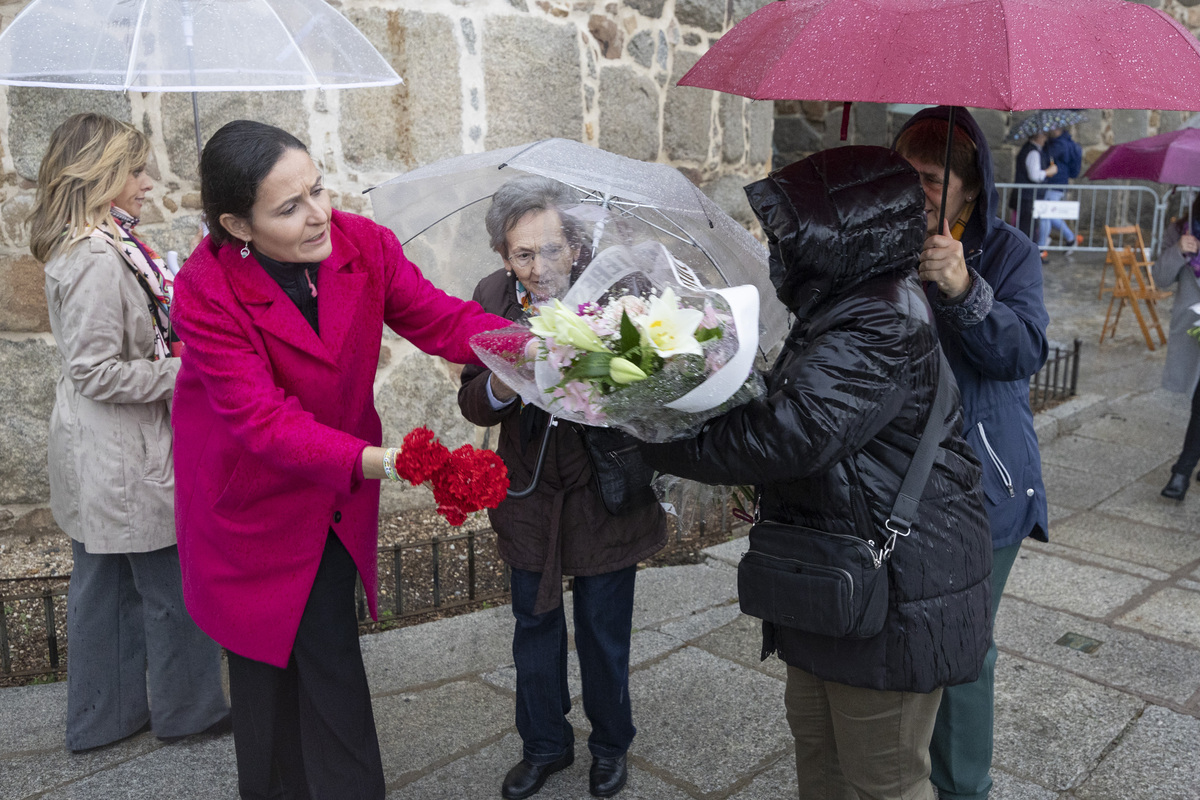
[1087, 208]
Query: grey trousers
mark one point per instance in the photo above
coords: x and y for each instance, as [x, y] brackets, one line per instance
[126, 628]
[859, 744]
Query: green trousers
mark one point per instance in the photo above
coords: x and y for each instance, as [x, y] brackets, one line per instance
[859, 744]
[961, 749]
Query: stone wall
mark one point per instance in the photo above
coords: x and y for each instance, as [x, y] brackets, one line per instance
[480, 74]
[802, 128]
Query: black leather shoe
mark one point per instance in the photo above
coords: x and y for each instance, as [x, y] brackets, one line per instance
[1177, 487]
[525, 779]
[607, 776]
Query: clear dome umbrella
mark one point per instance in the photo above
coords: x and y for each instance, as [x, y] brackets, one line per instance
[437, 211]
[619, 205]
[188, 46]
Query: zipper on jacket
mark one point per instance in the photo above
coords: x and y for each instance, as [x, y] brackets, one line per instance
[617, 455]
[1004, 476]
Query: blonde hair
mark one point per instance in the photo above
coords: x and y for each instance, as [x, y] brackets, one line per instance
[89, 159]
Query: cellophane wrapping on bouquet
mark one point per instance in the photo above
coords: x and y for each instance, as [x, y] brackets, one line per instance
[636, 343]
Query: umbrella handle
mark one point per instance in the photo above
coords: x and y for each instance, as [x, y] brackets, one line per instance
[537, 468]
[946, 175]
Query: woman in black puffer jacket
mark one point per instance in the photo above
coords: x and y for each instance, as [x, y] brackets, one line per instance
[828, 447]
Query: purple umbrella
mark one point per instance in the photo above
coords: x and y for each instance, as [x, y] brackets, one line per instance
[1166, 158]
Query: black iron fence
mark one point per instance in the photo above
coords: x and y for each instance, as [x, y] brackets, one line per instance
[416, 580]
[443, 573]
[33, 635]
[1058, 379]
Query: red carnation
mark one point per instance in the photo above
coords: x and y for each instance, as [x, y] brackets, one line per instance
[453, 515]
[470, 480]
[420, 456]
[464, 481]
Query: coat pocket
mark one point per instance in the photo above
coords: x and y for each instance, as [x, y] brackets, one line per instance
[156, 448]
[997, 463]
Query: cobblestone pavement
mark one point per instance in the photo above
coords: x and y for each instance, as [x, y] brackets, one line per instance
[1098, 688]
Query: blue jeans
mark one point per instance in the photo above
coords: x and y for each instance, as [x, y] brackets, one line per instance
[1044, 225]
[603, 624]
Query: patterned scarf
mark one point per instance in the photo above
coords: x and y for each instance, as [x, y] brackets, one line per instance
[154, 278]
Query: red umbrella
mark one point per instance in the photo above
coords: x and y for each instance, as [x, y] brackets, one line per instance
[1167, 158]
[1013, 55]
[1005, 54]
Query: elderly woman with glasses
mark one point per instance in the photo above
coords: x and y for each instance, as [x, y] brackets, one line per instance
[562, 527]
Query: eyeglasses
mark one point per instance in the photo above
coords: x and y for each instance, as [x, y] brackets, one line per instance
[524, 258]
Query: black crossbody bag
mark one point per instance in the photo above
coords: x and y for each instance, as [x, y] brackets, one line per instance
[622, 477]
[835, 584]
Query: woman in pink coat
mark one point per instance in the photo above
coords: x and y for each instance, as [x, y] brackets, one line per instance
[276, 451]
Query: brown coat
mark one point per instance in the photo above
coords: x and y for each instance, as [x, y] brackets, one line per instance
[563, 527]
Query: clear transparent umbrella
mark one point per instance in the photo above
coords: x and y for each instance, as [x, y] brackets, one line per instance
[188, 46]
[437, 211]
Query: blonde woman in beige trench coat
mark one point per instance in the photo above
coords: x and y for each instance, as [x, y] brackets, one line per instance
[111, 476]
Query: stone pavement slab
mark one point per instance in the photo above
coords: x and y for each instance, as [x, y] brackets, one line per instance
[741, 641]
[1052, 727]
[1059, 583]
[1053, 548]
[1156, 758]
[1170, 612]
[183, 771]
[412, 732]
[1140, 501]
[33, 757]
[438, 651]
[1123, 539]
[777, 781]
[671, 593]
[479, 775]
[713, 719]
[1139, 665]
[1098, 456]
[1077, 489]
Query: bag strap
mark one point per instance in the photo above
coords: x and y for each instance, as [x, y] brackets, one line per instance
[904, 510]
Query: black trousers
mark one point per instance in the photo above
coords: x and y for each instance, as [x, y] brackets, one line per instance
[307, 732]
[1191, 440]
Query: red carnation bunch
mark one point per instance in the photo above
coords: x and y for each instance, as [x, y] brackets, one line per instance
[464, 480]
[421, 455]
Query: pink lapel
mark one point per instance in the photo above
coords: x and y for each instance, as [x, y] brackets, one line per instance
[272, 311]
[340, 286]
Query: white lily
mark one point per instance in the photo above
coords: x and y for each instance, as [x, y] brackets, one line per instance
[670, 329]
[556, 321]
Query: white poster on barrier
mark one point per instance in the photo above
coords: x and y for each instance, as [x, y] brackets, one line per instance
[1056, 209]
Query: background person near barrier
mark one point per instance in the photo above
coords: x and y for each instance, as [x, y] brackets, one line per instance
[1066, 154]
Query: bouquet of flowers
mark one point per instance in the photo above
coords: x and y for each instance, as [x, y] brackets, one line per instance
[463, 481]
[637, 344]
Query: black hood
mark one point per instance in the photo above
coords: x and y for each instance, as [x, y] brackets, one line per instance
[837, 219]
[983, 219]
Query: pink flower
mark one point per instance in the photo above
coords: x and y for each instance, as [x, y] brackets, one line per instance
[576, 397]
[559, 355]
[710, 316]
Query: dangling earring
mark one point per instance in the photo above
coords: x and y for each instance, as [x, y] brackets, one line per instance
[245, 253]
